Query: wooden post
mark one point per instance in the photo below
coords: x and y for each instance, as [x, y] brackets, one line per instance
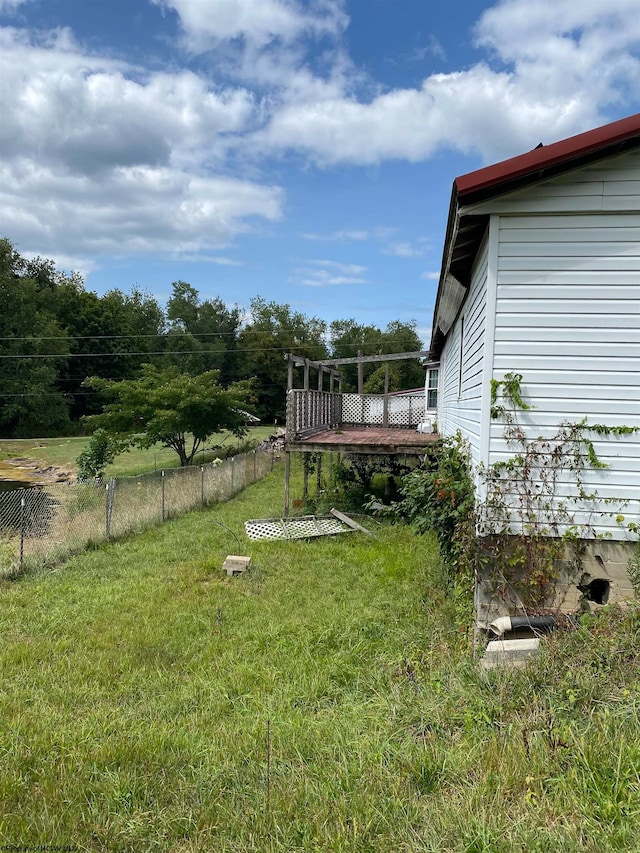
[331, 379]
[385, 402]
[305, 477]
[287, 476]
[360, 373]
[289, 372]
[307, 401]
[319, 476]
[320, 378]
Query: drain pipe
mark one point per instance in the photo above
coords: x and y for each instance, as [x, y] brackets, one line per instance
[538, 624]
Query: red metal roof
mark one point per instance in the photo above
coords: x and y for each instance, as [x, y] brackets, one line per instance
[541, 158]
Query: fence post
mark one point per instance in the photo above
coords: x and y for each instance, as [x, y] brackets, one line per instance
[202, 485]
[107, 508]
[233, 474]
[254, 466]
[23, 515]
[287, 475]
[162, 480]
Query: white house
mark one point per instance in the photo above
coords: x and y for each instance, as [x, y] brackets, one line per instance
[541, 276]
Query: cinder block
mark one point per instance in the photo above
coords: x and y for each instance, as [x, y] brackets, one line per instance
[236, 565]
[512, 653]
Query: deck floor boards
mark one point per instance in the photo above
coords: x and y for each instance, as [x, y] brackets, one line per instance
[386, 440]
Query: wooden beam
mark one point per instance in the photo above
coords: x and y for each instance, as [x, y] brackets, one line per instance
[360, 372]
[349, 522]
[365, 359]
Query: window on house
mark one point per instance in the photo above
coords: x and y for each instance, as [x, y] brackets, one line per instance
[432, 389]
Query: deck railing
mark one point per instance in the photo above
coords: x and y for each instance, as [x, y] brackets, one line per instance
[309, 412]
[312, 411]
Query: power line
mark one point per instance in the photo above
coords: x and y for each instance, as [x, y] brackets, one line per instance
[168, 334]
[196, 352]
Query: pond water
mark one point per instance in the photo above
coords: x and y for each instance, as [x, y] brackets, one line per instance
[14, 477]
[13, 485]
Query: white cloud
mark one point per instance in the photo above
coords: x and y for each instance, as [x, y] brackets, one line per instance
[559, 66]
[325, 273]
[88, 113]
[66, 263]
[346, 234]
[405, 250]
[433, 275]
[134, 209]
[383, 235]
[8, 6]
[206, 23]
[101, 157]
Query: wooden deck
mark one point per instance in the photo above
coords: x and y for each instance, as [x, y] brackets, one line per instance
[370, 440]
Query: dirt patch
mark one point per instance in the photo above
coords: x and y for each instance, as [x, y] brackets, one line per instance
[29, 470]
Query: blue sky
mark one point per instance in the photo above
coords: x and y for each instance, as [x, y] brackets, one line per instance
[302, 150]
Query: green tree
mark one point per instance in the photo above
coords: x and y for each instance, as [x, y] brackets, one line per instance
[100, 451]
[349, 337]
[210, 330]
[110, 336]
[273, 331]
[33, 347]
[175, 409]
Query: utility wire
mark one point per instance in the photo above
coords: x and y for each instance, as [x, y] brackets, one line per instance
[256, 350]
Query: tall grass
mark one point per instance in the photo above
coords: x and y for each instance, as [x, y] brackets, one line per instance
[139, 685]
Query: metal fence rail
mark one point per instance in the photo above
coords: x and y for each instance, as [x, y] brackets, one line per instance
[45, 524]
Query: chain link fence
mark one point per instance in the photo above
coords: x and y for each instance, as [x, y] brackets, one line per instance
[46, 524]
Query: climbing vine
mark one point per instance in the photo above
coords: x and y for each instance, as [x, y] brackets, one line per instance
[534, 511]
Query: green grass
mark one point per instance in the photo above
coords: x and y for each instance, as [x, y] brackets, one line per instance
[138, 685]
[64, 451]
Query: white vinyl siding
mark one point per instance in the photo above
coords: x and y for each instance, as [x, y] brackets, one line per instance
[568, 320]
[460, 393]
[611, 185]
[564, 259]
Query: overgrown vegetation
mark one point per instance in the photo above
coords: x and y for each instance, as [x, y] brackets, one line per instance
[100, 452]
[326, 701]
[535, 512]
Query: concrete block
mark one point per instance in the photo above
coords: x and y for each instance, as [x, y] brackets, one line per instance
[236, 565]
[511, 653]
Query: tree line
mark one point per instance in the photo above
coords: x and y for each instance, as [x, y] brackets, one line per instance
[55, 334]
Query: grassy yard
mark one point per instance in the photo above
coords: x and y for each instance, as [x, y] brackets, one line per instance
[328, 701]
[64, 451]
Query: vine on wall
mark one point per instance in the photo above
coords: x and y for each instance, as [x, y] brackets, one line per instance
[535, 513]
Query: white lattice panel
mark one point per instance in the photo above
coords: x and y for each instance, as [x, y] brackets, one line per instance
[362, 409]
[406, 411]
[403, 410]
[305, 527]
